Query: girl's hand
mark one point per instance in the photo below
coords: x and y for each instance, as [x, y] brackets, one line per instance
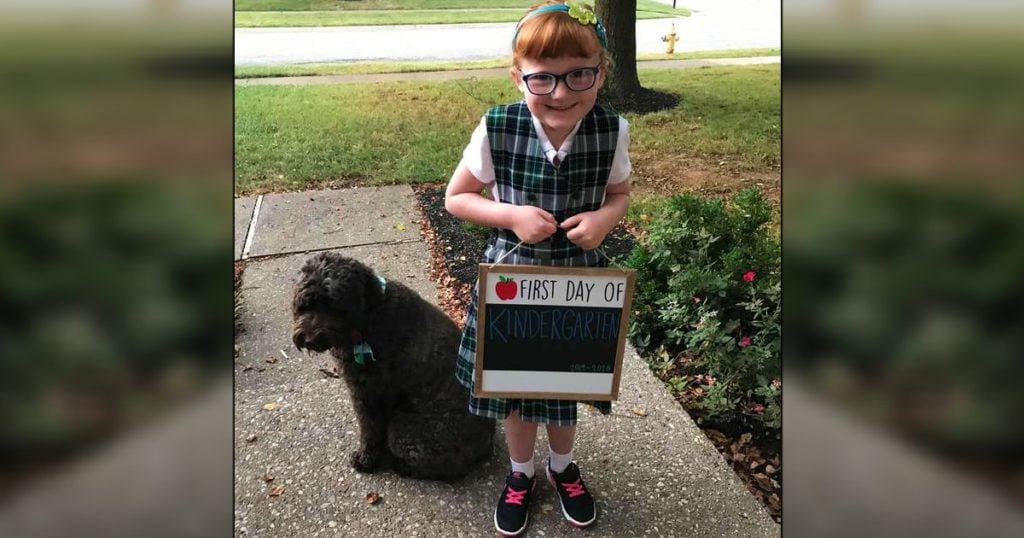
[587, 230]
[532, 224]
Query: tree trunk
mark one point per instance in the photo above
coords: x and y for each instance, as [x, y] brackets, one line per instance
[619, 18]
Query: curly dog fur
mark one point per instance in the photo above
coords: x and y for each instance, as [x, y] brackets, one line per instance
[411, 410]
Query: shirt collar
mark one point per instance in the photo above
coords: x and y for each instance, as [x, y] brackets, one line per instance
[549, 149]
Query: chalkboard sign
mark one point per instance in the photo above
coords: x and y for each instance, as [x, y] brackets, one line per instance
[553, 333]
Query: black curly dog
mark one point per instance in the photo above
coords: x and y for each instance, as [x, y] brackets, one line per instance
[412, 411]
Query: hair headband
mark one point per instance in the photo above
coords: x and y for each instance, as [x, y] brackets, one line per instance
[583, 14]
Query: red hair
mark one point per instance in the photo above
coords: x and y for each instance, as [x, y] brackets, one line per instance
[554, 34]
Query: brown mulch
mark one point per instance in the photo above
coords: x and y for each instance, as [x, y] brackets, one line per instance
[643, 101]
[658, 173]
[452, 295]
[239, 269]
[754, 455]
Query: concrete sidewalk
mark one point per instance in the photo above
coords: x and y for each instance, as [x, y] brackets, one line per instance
[497, 72]
[654, 473]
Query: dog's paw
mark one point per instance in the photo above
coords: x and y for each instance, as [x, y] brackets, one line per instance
[366, 462]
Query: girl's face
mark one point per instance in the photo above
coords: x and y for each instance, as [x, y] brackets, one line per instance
[559, 110]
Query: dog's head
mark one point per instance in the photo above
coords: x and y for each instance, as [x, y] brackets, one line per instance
[334, 297]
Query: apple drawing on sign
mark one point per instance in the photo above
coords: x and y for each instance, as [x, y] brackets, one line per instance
[506, 289]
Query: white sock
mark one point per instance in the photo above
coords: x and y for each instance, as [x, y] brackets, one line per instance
[525, 468]
[558, 462]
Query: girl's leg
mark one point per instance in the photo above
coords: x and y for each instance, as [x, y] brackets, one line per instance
[520, 436]
[577, 503]
[560, 441]
[513, 510]
[561, 438]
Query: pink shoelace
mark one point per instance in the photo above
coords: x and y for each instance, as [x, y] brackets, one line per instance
[575, 489]
[515, 496]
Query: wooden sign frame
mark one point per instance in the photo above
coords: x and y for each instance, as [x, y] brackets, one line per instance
[487, 272]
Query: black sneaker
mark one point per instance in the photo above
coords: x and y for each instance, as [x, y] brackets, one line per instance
[513, 511]
[577, 503]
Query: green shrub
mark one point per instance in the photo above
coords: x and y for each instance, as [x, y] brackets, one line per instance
[904, 306]
[110, 313]
[708, 302]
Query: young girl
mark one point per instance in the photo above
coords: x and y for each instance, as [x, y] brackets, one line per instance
[556, 166]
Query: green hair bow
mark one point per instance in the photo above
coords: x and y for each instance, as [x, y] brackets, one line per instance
[577, 10]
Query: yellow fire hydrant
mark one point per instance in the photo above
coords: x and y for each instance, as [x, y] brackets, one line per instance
[671, 40]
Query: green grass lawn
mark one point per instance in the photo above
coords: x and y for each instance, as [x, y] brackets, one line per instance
[724, 112]
[361, 68]
[297, 137]
[282, 13]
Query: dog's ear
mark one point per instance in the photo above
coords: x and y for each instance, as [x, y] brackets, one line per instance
[353, 289]
[310, 290]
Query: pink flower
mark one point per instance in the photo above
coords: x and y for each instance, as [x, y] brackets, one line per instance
[758, 408]
[776, 384]
[749, 276]
[745, 341]
[710, 380]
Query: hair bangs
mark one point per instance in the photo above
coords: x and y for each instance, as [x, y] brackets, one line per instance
[554, 35]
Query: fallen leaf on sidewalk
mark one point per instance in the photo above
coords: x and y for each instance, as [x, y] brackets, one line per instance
[271, 406]
[267, 477]
[251, 438]
[329, 373]
[372, 497]
[271, 360]
[639, 411]
[276, 491]
[400, 227]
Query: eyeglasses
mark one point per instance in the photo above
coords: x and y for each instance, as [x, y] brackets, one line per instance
[577, 80]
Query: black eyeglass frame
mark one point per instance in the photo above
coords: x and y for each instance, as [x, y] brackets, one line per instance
[596, 70]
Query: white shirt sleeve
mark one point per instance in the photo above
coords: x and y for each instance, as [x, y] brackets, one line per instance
[621, 167]
[477, 155]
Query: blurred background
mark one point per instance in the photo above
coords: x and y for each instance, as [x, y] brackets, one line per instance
[903, 220]
[115, 268]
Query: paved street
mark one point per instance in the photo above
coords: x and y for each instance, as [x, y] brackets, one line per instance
[714, 25]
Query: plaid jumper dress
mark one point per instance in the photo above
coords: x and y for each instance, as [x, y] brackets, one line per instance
[523, 176]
